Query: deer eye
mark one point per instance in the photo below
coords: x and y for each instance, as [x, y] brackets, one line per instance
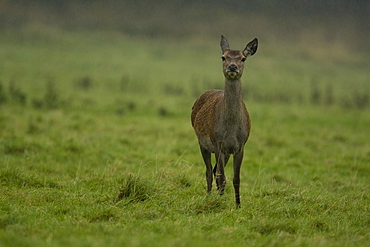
[243, 59]
[223, 58]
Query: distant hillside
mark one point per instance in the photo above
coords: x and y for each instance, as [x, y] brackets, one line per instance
[347, 21]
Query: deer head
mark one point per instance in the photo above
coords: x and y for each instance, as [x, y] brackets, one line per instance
[233, 60]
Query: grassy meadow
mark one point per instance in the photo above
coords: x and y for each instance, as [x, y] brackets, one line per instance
[97, 149]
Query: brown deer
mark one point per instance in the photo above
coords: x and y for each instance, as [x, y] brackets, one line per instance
[221, 120]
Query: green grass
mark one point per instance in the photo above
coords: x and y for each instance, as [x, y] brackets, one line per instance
[96, 146]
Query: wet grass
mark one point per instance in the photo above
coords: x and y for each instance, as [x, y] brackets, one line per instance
[96, 147]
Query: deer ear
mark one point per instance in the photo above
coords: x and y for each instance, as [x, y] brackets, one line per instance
[251, 48]
[224, 44]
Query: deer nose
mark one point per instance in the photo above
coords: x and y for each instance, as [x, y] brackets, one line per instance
[232, 67]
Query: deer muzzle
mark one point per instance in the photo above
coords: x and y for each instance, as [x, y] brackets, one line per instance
[232, 71]
[232, 68]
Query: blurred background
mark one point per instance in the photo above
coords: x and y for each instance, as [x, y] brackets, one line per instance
[313, 42]
[333, 22]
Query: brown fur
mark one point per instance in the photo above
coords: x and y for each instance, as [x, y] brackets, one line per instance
[205, 115]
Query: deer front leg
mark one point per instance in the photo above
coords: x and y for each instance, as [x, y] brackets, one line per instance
[238, 158]
[215, 168]
[207, 161]
[220, 177]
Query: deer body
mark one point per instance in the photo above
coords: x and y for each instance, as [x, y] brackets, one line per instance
[221, 120]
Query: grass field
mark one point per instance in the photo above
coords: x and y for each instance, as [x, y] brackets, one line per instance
[96, 146]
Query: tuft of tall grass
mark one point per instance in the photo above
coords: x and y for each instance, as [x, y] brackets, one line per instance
[3, 97]
[51, 98]
[85, 83]
[16, 94]
[134, 189]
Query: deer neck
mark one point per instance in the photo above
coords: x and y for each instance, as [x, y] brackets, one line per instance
[233, 101]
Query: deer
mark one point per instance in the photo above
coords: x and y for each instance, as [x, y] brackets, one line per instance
[221, 120]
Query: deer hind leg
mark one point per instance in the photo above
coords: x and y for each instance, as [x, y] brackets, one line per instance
[207, 161]
[238, 158]
[221, 161]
